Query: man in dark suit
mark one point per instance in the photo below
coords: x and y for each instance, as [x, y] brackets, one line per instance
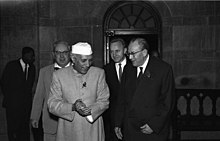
[113, 77]
[16, 83]
[146, 99]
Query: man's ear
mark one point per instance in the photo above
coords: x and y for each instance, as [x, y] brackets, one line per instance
[53, 53]
[125, 50]
[72, 57]
[145, 52]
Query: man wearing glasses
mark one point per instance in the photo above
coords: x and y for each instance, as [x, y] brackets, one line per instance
[146, 98]
[61, 56]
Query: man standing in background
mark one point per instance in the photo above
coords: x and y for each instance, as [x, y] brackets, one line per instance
[61, 56]
[114, 71]
[17, 81]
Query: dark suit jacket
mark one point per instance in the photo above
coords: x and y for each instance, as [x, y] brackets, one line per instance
[114, 86]
[151, 102]
[17, 92]
[113, 83]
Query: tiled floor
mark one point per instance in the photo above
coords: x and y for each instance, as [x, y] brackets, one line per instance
[3, 126]
[3, 137]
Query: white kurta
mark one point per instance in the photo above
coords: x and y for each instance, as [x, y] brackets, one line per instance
[68, 86]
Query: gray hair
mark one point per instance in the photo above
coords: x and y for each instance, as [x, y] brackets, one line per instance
[61, 42]
[142, 42]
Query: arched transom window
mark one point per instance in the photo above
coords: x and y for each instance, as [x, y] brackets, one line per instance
[132, 18]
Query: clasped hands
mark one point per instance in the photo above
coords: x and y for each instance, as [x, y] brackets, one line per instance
[81, 108]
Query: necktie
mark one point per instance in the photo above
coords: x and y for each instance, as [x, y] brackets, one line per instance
[140, 74]
[120, 71]
[26, 71]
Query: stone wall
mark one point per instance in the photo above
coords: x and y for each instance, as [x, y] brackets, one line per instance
[191, 43]
[190, 32]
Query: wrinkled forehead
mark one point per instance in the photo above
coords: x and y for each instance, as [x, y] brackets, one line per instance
[83, 57]
[61, 47]
[116, 46]
[133, 46]
[29, 54]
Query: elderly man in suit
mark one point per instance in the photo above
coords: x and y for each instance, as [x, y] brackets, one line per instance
[114, 72]
[17, 81]
[146, 97]
[61, 56]
[78, 96]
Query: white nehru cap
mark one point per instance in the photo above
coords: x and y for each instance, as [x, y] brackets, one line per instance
[82, 48]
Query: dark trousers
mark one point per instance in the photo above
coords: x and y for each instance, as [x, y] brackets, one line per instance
[18, 125]
[38, 132]
[109, 130]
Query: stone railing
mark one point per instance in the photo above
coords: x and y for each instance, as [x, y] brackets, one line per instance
[196, 110]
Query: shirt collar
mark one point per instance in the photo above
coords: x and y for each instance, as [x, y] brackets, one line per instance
[123, 63]
[23, 64]
[57, 66]
[145, 64]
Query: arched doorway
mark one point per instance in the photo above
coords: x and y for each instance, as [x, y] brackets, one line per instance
[129, 19]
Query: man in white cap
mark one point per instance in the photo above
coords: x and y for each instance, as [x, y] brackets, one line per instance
[78, 96]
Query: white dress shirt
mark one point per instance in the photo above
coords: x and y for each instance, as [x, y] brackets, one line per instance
[123, 63]
[57, 66]
[23, 65]
[143, 66]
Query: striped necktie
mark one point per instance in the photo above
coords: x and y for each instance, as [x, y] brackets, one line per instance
[120, 71]
[26, 71]
[140, 74]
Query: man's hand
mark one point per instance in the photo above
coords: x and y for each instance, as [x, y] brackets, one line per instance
[118, 133]
[146, 129]
[34, 123]
[81, 108]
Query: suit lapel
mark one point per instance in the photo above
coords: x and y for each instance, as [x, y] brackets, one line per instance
[147, 71]
[129, 81]
[21, 69]
[50, 72]
[145, 80]
[114, 72]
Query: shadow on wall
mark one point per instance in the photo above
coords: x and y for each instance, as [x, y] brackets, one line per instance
[197, 81]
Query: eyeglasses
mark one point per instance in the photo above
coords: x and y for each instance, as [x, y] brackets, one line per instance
[133, 53]
[61, 52]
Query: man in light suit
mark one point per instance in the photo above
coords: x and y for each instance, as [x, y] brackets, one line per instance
[17, 82]
[146, 99]
[61, 56]
[113, 79]
[78, 96]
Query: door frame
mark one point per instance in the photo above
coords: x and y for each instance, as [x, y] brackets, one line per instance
[109, 32]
